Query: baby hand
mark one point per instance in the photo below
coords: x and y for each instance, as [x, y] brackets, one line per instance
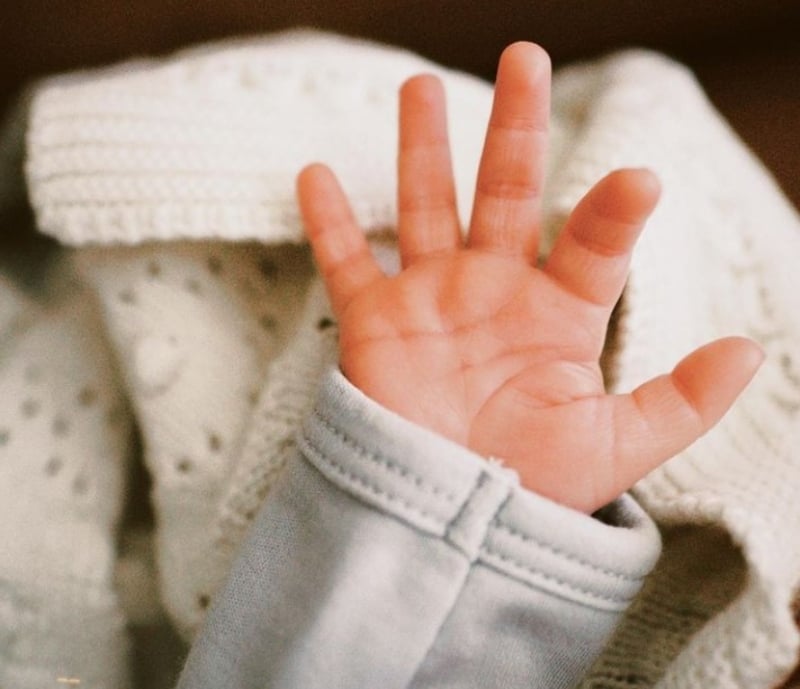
[475, 342]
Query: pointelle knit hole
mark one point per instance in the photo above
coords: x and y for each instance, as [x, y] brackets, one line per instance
[214, 265]
[87, 396]
[80, 486]
[60, 426]
[192, 285]
[268, 322]
[30, 407]
[154, 269]
[53, 465]
[268, 269]
[214, 442]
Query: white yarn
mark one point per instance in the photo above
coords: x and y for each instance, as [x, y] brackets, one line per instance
[208, 142]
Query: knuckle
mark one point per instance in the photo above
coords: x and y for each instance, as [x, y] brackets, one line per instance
[509, 189]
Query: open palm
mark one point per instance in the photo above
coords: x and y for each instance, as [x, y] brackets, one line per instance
[475, 342]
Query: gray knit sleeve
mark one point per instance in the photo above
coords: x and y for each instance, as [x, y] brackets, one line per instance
[387, 556]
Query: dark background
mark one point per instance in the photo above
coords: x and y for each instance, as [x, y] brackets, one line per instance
[745, 52]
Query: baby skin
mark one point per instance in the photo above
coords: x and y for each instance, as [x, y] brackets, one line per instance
[475, 341]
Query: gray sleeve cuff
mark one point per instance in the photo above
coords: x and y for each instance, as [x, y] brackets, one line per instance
[445, 490]
[388, 556]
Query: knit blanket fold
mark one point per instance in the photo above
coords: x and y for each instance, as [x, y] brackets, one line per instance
[205, 145]
[713, 261]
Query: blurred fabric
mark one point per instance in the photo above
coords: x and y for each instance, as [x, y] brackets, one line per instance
[745, 52]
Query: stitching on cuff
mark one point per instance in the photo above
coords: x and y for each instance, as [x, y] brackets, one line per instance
[486, 550]
[375, 490]
[525, 538]
[468, 529]
[385, 462]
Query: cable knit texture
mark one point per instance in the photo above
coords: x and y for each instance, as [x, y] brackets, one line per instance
[221, 341]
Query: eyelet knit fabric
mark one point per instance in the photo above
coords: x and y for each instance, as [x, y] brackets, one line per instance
[64, 444]
[193, 326]
[165, 171]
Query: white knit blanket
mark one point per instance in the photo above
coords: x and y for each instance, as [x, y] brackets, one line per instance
[205, 145]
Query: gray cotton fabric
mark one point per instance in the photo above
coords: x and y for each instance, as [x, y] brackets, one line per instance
[387, 556]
